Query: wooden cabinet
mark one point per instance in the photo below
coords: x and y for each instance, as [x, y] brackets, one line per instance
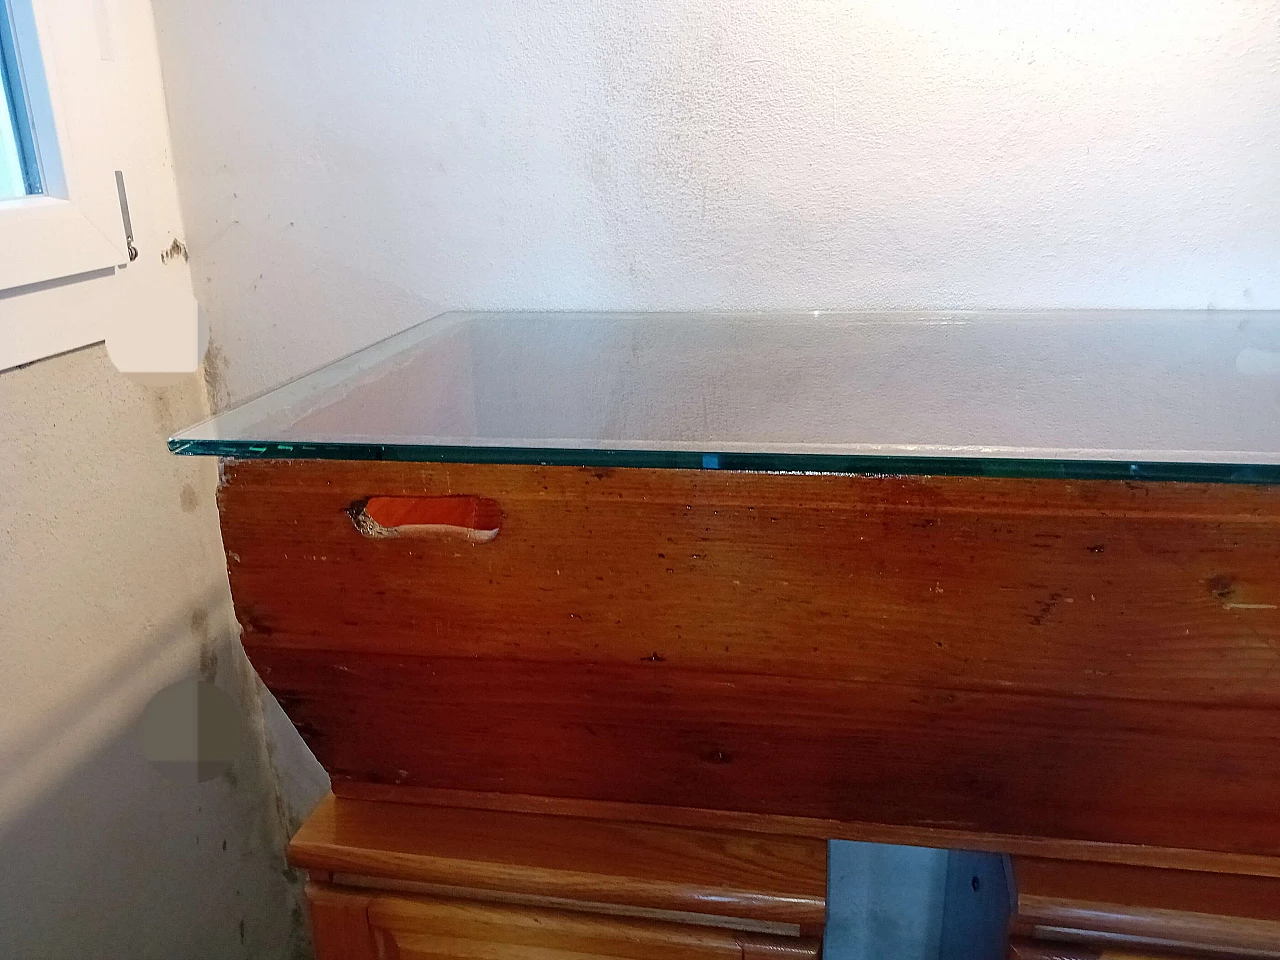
[409, 927]
[397, 880]
[1000, 663]
[616, 713]
[393, 880]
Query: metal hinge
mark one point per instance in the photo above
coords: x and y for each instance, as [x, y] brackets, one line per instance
[124, 215]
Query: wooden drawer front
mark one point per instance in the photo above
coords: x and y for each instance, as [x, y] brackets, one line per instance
[636, 866]
[1090, 661]
[1022, 949]
[1114, 907]
[428, 928]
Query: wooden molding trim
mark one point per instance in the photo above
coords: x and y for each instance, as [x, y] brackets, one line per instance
[1185, 911]
[710, 872]
[1051, 918]
[1206, 861]
[1021, 948]
[436, 927]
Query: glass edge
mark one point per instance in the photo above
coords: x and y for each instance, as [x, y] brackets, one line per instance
[1008, 467]
[881, 317]
[240, 405]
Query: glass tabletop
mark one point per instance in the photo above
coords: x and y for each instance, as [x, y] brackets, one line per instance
[1175, 395]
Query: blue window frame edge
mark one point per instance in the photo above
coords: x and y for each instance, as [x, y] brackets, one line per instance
[11, 79]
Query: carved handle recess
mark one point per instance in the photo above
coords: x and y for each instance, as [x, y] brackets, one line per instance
[477, 519]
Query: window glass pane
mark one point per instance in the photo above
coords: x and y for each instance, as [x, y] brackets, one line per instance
[18, 168]
[11, 180]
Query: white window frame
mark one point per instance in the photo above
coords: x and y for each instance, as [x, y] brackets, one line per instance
[75, 227]
[62, 285]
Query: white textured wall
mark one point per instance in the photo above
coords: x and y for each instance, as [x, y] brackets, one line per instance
[113, 583]
[348, 168]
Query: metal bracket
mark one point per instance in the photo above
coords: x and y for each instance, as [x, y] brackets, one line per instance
[916, 903]
[124, 215]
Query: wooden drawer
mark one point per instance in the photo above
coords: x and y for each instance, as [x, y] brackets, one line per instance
[717, 877]
[976, 661]
[395, 879]
[1101, 907]
[354, 925]
[1023, 949]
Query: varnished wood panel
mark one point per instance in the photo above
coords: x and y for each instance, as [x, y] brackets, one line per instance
[1102, 588]
[720, 872]
[1106, 770]
[427, 928]
[1092, 662]
[1108, 904]
[1175, 858]
[340, 923]
[1185, 891]
[1023, 949]
[1112, 925]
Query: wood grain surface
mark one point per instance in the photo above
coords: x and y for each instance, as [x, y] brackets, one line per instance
[1160, 774]
[1104, 588]
[1089, 661]
[1023, 949]
[1188, 891]
[429, 928]
[1176, 858]
[725, 873]
[340, 923]
[1114, 905]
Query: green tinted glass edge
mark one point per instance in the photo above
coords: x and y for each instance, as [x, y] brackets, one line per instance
[749, 462]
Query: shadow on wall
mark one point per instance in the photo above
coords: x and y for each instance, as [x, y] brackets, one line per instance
[131, 677]
[115, 840]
